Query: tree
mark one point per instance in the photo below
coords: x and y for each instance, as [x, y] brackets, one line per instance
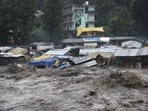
[52, 18]
[120, 23]
[78, 2]
[17, 18]
[139, 12]
[104, 9]
[124, 3]
[115, 17]
[40, 4]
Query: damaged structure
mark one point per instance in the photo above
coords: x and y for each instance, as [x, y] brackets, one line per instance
[129, 54]
[8, 58]
[133, 58]
[69, 56]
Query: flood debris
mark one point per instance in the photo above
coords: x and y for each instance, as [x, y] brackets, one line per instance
[132, 58]
[8, 58]
[105, 78]
[73, 88]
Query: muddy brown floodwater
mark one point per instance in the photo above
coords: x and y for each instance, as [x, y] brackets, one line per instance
[73, 89]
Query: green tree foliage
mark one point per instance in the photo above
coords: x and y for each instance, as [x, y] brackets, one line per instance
[40, 4]
[115, 16]
[16, 16]
[78, 2]
[118, 17]
[120, 23]
[123, 3]
[139, 12]
[39, 35]
[104, 9]
[52, 18]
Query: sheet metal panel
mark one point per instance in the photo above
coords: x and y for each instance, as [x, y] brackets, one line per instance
[78, 60]
[99, 50]
[10, 55]
[131, 44]
[72, 40]
[57, 51]
[143, 52]
[126, 52]
[132, 52]
[5, 48]
[89, 63]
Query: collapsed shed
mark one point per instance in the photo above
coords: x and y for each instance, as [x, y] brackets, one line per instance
[7, 58]
[131, 44]
[134, 58]
[49, 58]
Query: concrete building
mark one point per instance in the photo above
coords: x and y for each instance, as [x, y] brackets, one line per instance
[78, 16]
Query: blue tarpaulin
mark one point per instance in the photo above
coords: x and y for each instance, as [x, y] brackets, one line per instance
[91, 39]
[48, 62]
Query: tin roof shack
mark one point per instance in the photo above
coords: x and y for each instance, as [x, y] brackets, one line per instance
[54, 56]
[8, 58]
[131, 44]
[133, 58]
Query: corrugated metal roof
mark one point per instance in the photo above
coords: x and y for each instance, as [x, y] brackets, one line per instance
[103, 50]
[126, 52]
[78, 60]
[10, 55]
[89, 63]
[122, 38]
[5, 48]
[72, 40]
[57, 52]
[131, 52]
[94, 55]
[143, 52]
[44, 47]
[131, 44]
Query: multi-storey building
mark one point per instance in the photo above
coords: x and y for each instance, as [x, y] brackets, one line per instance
[78, 16]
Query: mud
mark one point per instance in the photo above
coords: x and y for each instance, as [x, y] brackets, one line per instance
[24, 88]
